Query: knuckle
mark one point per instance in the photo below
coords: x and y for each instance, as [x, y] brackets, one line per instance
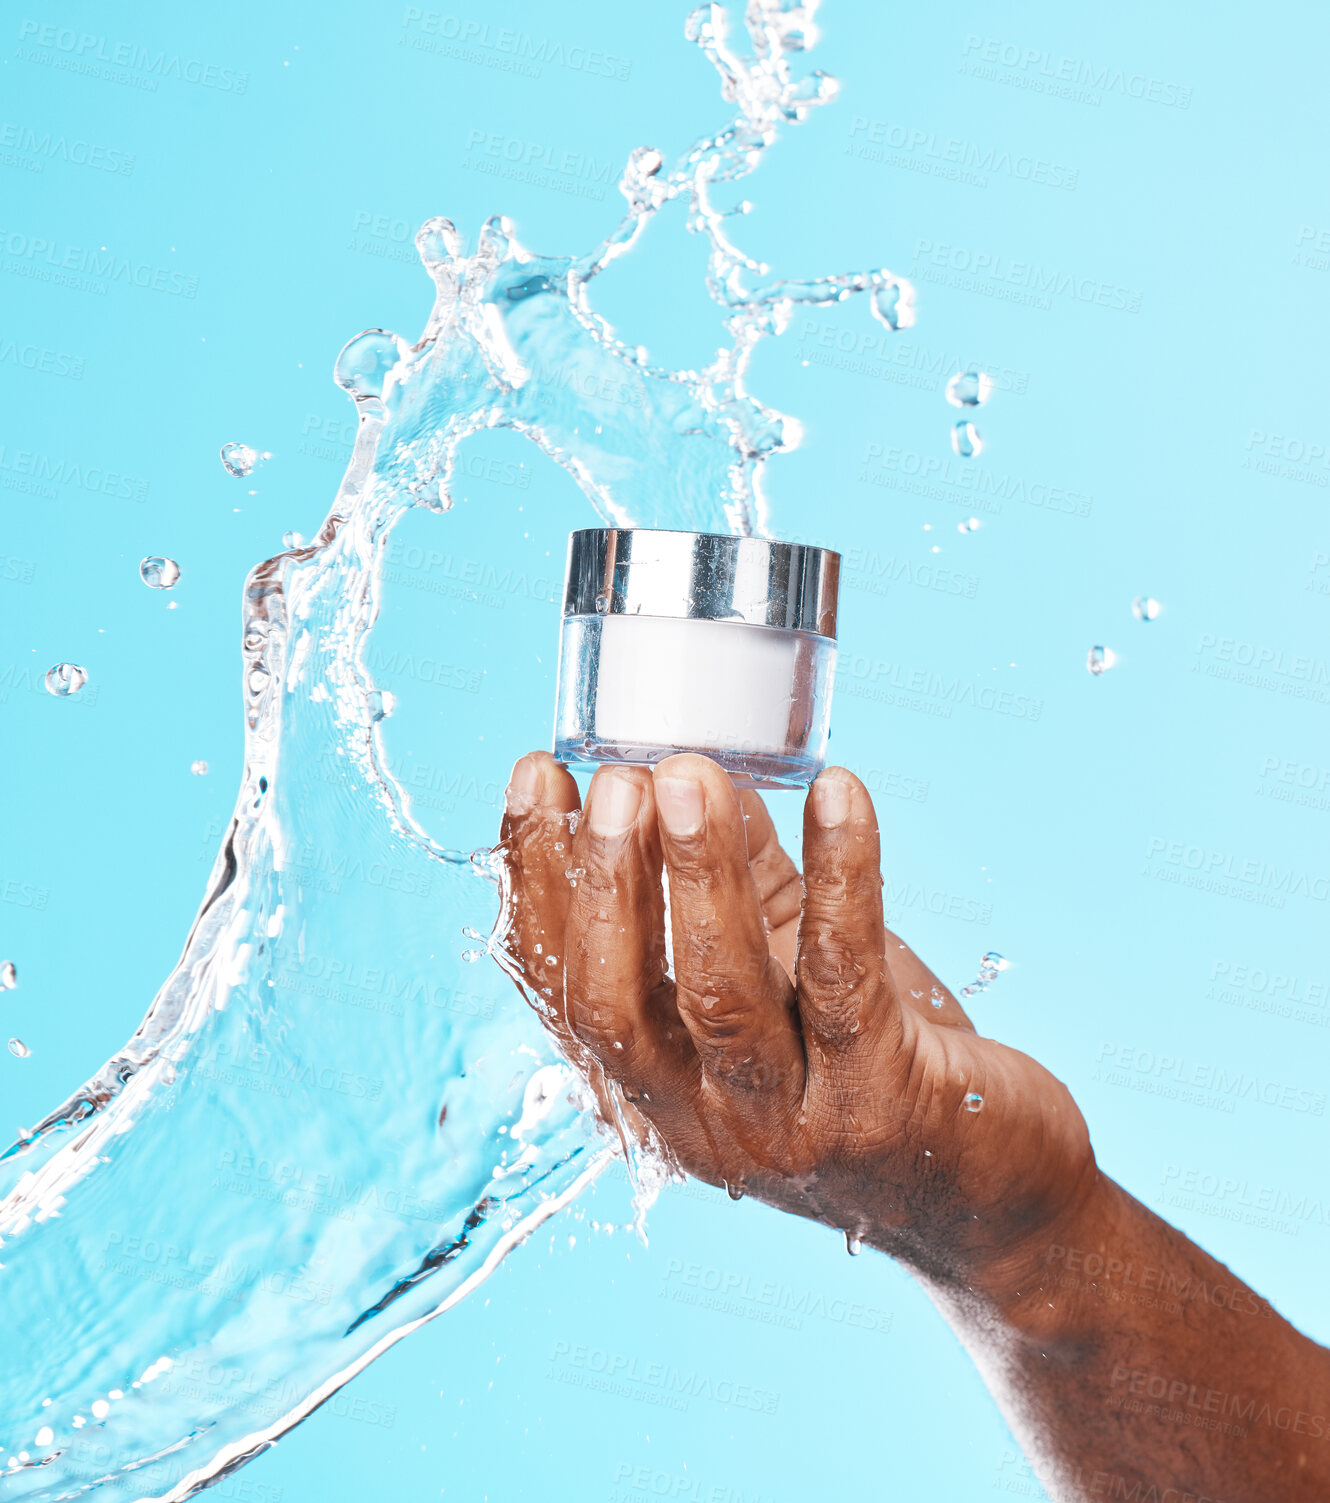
[836, 984]
[692, 874]
[605, 1031]
[831, 894]
[718, 1015]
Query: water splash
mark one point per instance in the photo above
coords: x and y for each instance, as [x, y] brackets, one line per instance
[240, 459]
[969, 388]
[358, 1125]
[965, 439]
[65, 679]
[1099, 660]
[1146, 608]
[159, 573]
[991, 966]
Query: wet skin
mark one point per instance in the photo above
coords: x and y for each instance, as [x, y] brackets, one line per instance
[793, 1052]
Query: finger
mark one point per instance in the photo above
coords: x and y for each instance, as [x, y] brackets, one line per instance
[846, 994]
[734, 998]
[616, 979]
[536, 844]
[920, 990]
[779, 886]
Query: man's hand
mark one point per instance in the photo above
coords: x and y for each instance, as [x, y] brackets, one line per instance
[797, 1053]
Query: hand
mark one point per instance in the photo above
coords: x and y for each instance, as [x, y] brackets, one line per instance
[796, 1054]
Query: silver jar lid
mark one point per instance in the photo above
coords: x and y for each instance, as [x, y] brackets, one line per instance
[708, 576]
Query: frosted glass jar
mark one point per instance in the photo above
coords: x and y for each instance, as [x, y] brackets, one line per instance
[704, 642]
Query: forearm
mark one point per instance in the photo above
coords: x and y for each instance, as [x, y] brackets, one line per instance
[1128, 1362]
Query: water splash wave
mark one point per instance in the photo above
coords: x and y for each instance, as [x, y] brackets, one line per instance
[295, 1161]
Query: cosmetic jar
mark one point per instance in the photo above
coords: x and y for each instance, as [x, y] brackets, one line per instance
[697, 642]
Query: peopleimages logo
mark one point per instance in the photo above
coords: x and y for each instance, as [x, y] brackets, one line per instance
[85, 52]
[48, 261]
[42, 146]
[1299, 675]
[513, 51]
[1247, 871]
[40, 474]
[886, 356]
[995, 275]
[37, 358]
[973, 486]
[925, 149]
[1227, 1086]
[1045, 72]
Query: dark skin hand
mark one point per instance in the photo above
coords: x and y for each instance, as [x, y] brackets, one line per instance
[795, 1054]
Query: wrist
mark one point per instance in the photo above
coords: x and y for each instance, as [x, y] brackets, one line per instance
[1039, 1285]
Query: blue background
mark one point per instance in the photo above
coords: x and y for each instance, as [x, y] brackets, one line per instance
[1158, 428]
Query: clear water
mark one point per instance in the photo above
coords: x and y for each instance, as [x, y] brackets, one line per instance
[291, 1165]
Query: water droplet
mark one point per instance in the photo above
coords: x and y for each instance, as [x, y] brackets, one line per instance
[644, 162]
[199, 768]
[551, 960]
[936, 997]
[65, 679]
[973, 1101]
[158, 573]
[893, 305]
[19, 1049]
[362, 367]
[44, 1436]
[472, 956]
[735, 1191]
[433, 496]
[602, 603]
[990, 964]
[8, 976]
[239, 459]
[1100, 659]
[532, 287]
[382, 702]
[965, 439]
[853, 1245]
[293, 539]
[100, 1409]
[970, 524]
[969, 389]
[1146, 608]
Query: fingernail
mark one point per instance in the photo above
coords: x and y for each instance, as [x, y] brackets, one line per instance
[680, 804]
[831, 802]
[523, 786]
[615, 800]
